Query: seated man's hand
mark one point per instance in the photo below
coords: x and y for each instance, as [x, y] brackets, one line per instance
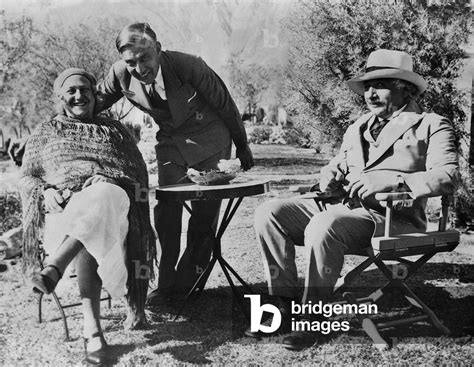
[16, 150]
[369, 183]
[98, 178]
[246, 157]
[53, 200]
[329, 176]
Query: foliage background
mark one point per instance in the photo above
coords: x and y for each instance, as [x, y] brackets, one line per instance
[330, 44]
[295, 54]
[32, 49]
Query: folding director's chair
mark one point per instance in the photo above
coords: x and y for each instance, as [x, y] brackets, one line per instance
[395, 247]
[61, 307]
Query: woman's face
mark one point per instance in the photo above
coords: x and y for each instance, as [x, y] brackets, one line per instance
[77, 97]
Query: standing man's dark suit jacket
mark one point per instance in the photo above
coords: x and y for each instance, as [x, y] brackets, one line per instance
[202, 119]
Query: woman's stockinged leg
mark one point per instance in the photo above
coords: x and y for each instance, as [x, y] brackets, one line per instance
[66, 252]
[90, 286]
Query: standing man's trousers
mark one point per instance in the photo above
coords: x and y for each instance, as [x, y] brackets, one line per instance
[174, 277]
[281, 225]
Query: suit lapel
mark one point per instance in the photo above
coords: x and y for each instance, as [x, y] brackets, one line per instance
[138, 94]
[173, 88]
[391, 133]
[357, 151]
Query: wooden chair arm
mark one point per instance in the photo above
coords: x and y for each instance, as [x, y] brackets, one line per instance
[392, 196]
[390, 199]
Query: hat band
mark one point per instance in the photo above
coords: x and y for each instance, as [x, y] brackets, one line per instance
[373, 68]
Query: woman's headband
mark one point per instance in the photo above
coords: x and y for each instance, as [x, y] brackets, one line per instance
[58, 83]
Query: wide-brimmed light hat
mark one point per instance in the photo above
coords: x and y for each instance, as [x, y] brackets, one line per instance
[388, 64]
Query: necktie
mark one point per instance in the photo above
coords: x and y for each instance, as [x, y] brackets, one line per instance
[153, 93]
[377, 127]
[156, 100]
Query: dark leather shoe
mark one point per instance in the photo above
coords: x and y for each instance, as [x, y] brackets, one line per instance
[299, 340]
[98, 357]
[42, 283]
[159, 297]
[285, 327]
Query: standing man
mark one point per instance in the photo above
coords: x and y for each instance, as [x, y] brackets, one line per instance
[396, 146]
[198, 121]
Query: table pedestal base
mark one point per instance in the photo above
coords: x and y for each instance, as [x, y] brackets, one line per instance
[200, 283]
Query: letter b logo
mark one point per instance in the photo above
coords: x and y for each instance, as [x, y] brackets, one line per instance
[256, 313]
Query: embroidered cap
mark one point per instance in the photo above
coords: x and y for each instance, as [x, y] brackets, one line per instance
[58, 83]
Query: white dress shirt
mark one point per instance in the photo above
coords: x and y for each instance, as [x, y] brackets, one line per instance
[159, 85]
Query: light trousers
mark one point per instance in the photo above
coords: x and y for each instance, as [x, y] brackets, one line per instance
[281, 225]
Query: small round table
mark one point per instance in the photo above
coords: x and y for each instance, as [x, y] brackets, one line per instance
[235, 193]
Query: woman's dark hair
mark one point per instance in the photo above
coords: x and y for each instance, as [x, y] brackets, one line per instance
[134, 33]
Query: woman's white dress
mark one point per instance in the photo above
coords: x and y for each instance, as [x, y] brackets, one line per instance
[97, 217]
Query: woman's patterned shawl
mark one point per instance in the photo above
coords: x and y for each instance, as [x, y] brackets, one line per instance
[62, 153]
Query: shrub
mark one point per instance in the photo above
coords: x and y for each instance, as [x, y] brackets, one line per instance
[277, 136]
[260, 134]
[298, 137]
[330, 43]
[10, 211]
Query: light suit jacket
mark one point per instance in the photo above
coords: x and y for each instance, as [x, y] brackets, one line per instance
[203, 117]
[419, 146]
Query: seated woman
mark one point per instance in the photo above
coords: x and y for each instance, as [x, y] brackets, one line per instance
[88, 174]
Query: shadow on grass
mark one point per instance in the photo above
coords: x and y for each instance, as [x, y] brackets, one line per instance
[440, 286]
[215, 318]
[115, 351]
[206, 323]
[292, 161]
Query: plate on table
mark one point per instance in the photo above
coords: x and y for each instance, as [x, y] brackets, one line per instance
[213, 177]
[226, 171]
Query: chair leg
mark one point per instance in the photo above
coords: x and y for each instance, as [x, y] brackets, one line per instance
[408, 293]
[352, 274]
[63, 315]
[372, 328]
[40, 304]
[61, 310]
[108, 298]
[368, 325]
[416, 301]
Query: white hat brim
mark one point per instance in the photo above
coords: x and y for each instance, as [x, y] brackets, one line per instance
[357, 84]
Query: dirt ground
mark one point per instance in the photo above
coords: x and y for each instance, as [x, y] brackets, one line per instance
[210, 331]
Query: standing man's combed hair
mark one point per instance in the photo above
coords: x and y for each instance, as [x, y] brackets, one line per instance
[134, 33]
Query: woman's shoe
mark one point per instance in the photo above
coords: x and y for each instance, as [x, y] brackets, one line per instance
[42, 283]
[97, 357]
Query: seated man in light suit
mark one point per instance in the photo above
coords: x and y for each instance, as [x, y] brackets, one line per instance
[198, 121]
[396, 146]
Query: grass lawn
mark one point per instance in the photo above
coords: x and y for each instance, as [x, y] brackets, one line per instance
[211, 328]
